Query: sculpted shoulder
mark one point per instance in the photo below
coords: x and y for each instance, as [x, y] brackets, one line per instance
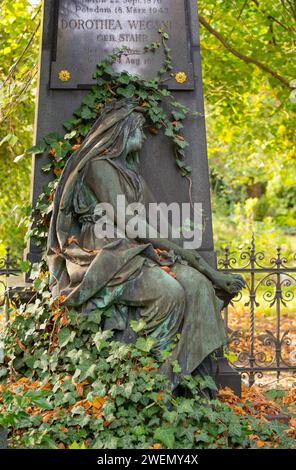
[102, 172]
[100, 168]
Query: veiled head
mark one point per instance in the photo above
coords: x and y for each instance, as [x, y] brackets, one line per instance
[137, 136]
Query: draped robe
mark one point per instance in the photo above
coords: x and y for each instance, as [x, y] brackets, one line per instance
[122, 275]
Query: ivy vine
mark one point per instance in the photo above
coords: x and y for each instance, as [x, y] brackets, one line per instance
[110, 85]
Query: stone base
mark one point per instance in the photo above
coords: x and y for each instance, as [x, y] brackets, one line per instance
[3, 438]
[226, 376]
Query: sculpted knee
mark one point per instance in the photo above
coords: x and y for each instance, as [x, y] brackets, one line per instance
[174, 293]
[202, 282]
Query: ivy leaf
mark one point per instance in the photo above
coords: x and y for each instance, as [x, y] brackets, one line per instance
[76, 446]
[86, 113]
[142, 94]
[186, 406]
[208, 382]
[42, 403]
[183, 144]
[109, 69]
[38, 148]
[84, 129]
[25, 266]
[70, 135]
[138, 326]
[203, 437]
[37, 283]
[89, 100]
[178, 115]
[124, 78]
[127, 92]
[145, 344]
[164, 34]
[47, 167]
[235, 428]
[176, 367]
[68, 125]
[65, 336]
[169, 132]
[231, 356]
[52, 138]
[165, 435]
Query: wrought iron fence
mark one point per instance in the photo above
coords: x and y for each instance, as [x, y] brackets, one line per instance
[9, 266]
[270, 284]
[256, 350]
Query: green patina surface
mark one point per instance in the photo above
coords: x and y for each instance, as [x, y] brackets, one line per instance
[125, 275]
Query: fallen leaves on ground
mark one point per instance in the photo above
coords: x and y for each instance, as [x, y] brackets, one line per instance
[253, 402]
[264, 345]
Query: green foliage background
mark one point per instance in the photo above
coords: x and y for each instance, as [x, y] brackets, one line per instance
[250, 117]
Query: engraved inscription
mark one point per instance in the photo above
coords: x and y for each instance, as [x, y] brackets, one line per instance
[89, 29]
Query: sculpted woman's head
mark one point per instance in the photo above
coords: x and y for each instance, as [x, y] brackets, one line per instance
[118, 131]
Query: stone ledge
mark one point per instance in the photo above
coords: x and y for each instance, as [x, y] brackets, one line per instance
[3, 438]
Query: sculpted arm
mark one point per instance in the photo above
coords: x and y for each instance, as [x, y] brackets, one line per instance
[105, 182]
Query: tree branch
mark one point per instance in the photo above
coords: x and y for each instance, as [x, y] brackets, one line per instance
[15, 101]
[291, 8]
[14, 66]
[269, 16]
[247, 59]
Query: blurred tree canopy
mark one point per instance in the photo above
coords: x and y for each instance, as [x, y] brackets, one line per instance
[19, 43]
[248, 48]
[248, 53]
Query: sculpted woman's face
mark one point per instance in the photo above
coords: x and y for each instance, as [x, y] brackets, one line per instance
[136, 140]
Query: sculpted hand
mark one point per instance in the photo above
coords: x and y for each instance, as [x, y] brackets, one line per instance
[231, 283]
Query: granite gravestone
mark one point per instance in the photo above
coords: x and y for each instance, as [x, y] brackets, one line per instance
[95, 28]
[76, 35]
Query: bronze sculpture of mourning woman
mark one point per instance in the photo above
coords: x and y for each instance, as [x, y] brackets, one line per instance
[123, 274]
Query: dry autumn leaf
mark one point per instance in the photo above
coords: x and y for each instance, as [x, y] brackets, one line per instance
[47, 416]
[76, 147]
[153, 130]
[166, 269]
[64, 321]
[57, 315]
[292, 423]
[80, 387]
[157, 445]
[159, 396]
[23, 380]
[42, 274]
[98, 402]
[58, 171]
[46, 386]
